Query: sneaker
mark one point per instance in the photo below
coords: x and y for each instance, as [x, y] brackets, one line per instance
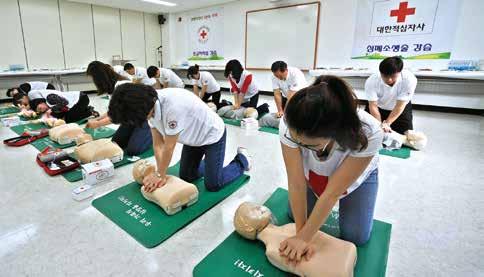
[245, 152]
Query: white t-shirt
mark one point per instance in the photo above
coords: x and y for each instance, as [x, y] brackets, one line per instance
[167, 75]
[295, 81]
[318, 172]
[119, 69]
[71, 96]
[118, 83]
[206, 78]
[252, 89]
[38, 85]
[179, 111]
[387, 96]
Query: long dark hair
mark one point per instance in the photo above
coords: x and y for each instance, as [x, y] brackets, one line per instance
[234, 67]
[327, 109]
[104, 76]
[193, 70]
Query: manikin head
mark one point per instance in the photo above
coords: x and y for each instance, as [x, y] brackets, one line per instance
[390, 69]
[250, 219]
[279, 69]
[141, 169]
[416, 140]
[212, 106]
[251, 113]
[82, 139]
[129, 68]
[153, 72]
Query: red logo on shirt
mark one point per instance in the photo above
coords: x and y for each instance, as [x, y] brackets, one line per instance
[317, 182]
[172, 124]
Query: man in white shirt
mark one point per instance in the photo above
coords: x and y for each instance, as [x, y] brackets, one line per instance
[285, 82]
[389, 94]
[163, 78]
[177, 115]
[136, 74]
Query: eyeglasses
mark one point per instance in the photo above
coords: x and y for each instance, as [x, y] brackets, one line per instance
[287, 135]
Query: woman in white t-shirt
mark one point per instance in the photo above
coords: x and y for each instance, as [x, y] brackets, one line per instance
[243, 85]
[330, 150]
[210, 89]
[163, 78]
[178, 116]
[133, 139]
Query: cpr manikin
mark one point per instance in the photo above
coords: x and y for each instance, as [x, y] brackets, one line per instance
[171, 197]
[212, 106]
[65, 134]
[269, 120]
[413, 139]
[89, 150]
[332, 257]
[239, 114]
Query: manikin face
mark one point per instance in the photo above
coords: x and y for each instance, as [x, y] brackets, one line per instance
[250, 219]
[42, 108]
[281, 75]
[131, 71]
[391, 79]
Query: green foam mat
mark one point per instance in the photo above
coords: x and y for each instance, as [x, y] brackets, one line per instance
[99, 133]
[9, 110]
[145, 221]
[371, 261]
[76, 175]
[105, 97]
[236, 122]
[402, 153]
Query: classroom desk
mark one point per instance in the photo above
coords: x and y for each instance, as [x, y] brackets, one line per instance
[435, 88]
[69, 79]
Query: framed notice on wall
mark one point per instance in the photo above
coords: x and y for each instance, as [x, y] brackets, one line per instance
[205, 35]
[413, 29]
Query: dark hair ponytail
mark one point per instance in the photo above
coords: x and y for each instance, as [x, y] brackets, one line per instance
[327, 109]
[193, 70]
[235, 68]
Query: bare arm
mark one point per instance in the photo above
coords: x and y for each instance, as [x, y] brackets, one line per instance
[103, 120]
[373, 107]
[278, 100]
[165, 84]
[195, 90]
[204, 90]
[396, 112]
[339, 182]
[296, 184]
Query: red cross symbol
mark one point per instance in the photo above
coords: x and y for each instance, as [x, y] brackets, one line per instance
[402, 12]
[203, 34]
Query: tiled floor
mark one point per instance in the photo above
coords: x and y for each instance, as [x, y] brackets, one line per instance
[434, 201]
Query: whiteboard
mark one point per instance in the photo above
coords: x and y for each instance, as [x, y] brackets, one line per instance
[286, 33]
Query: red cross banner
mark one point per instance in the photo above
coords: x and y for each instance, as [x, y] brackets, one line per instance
[205, 31]
[412, 29]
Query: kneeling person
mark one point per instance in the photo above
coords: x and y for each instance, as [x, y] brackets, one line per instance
[177, 115]
[389, 95]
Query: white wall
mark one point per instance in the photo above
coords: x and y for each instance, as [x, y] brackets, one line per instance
[60, 34]
[336, 33]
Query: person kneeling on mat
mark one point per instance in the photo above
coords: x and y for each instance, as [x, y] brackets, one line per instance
[177, 115]
[243, 86]
[389, 94]
[133, 140]
[330, 150]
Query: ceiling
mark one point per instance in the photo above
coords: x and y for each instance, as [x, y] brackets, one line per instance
[138, 5]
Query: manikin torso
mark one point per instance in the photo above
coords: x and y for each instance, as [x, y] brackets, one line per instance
[333, 257]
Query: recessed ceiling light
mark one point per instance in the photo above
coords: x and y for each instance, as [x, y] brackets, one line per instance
[164, 3]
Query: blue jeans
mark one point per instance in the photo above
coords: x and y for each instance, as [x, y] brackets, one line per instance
[216, 176]
[355, 210]
[133, 140]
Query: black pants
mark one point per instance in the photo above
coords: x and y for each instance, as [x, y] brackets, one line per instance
[50, 86]
[215, 98]
[403, 123]
[133, 140]
[80, 110]
[252, 103]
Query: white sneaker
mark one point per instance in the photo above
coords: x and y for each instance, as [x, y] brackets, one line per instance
[245, 152]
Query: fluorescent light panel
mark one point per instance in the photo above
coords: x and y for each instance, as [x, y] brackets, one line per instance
[164, 3]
